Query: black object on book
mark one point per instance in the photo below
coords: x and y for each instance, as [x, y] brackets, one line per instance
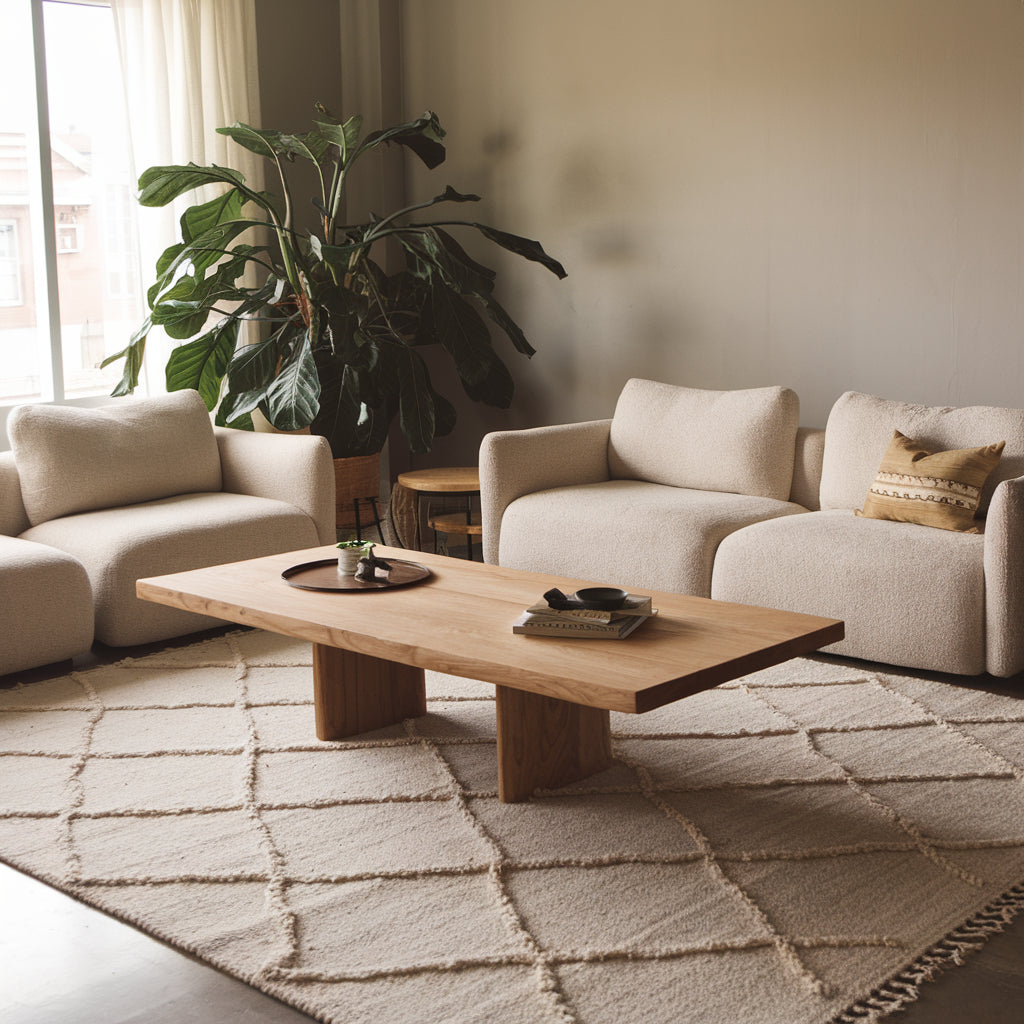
[601, 598]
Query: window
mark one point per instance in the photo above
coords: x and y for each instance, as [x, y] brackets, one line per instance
[70, 286]
[10, 268]
[68, 237]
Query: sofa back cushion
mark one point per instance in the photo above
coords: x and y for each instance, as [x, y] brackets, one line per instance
[860, 428]
[75, 460]
[739, 442]
[13, 519]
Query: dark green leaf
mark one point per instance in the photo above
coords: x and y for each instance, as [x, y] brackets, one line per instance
[181, 319]
[197, 220]
[435, 258]
[253, 366]
[344, 136]
[463, 334]
[525, 247]
[184, 308]
[266, 142]
[449, 195]
[201, 364]
[421, 136]
[444, 416]
[415, 402]
[293, 399]
[133, 354]
[495, 389]
[353, 417]
[202, 254]
[235, 408]
[159, 186]
[498, 314]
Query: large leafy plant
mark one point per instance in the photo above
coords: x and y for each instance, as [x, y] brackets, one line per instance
[342, 340]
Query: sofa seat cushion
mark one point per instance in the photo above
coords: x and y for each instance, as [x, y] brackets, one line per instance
[121, 545]
[46, 611]
[628, 533]
[74, 460]
[910, 595]
[737, 441]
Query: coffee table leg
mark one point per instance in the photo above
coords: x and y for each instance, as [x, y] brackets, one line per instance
[354, 693]
[544, 743]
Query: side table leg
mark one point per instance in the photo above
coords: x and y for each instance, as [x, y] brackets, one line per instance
[544, 743]
[354, 693]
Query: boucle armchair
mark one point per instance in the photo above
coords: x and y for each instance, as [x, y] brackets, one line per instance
[642, 499]
[910, 595]
[143, 487]
[45, 597]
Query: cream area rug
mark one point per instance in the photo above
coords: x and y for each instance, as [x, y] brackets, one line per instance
[804, 845]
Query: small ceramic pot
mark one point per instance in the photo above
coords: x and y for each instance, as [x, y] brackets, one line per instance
[348, 559]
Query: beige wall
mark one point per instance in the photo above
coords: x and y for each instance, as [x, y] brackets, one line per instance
[825, 194]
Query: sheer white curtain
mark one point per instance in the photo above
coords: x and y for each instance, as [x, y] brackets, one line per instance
[189, 68]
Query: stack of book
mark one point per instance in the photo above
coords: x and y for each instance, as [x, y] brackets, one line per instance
[590, 623]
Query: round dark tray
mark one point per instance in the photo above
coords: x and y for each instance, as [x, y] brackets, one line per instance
[323, 575]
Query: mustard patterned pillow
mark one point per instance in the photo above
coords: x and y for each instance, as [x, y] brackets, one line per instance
[940, 489]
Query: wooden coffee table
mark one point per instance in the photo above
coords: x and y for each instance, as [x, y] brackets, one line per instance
[553, 696]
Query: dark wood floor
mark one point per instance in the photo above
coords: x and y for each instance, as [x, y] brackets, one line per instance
[64, 963]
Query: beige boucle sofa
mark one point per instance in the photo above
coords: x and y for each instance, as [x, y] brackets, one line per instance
[720, 494]
[93, 499]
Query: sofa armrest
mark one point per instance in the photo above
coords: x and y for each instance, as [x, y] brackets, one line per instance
[1004, 579]
[294, 468]
[13, 517]
[518, 462]
[809, 456]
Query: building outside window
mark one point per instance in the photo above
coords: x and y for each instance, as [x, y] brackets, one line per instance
[70, 284]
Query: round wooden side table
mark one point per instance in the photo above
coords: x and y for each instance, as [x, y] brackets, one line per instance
[447, 482]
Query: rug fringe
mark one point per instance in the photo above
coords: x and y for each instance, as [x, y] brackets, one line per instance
[905, 987]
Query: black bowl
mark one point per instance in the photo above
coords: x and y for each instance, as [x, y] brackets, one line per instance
[605, 599]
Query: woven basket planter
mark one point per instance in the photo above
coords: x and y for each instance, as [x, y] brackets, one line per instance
[355, 479]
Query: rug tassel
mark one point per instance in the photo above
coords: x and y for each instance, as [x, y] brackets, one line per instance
[905, 987]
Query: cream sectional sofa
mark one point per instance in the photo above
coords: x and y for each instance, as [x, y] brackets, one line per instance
[720, 494]
[93, 499]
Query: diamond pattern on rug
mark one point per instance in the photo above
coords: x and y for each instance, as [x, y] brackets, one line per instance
[161, 783]
[775, 849]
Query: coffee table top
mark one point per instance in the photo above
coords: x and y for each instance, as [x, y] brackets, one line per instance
[459, 621]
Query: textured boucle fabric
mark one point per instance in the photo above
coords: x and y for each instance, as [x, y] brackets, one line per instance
[518, 462]
[119, 546]
[861, 426]
[629, 533]
[294, 468]
[45, 608]
[1004, 579]
[810, 448]
[136, 449]
[13, 519]
[909, 595]
[735, 441]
